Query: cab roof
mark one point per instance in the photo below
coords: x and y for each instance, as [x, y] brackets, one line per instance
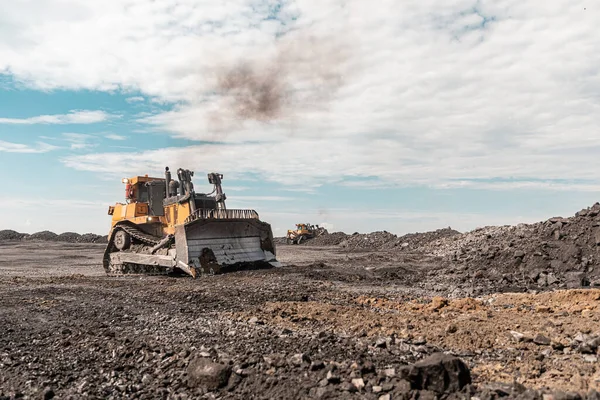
[143, 179]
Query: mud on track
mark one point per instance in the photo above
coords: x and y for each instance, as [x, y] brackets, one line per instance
[69, 331]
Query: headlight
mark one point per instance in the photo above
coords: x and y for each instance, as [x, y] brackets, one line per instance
[125, 180]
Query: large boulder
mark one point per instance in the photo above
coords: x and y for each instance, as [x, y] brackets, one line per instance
[205, 373]
[439, 373]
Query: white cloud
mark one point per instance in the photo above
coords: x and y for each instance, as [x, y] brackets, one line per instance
[417, 92]
[374, 164]
[79, 141]
[112, 136]
[73, 117]
[262, 198]
[237, 188]
[39, 147]
[134, 99]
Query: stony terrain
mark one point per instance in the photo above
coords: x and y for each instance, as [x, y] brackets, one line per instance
[498, 312]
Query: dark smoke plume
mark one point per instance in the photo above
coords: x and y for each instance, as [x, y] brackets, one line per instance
[254, 94]
[303, 73]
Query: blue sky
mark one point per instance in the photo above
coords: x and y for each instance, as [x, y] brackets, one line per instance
[404, 118]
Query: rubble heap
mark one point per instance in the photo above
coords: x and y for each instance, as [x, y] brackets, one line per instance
[380, 240]
[386, 240]
[9, 234]
[558, 252]
[68, 237]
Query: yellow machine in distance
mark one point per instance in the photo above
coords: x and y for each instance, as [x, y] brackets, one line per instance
[304, 232]
[165, 226]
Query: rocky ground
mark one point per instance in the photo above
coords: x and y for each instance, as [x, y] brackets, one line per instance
[499, 312]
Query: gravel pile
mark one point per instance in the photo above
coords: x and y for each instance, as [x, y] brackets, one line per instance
[329, 239]
[385, 240]
[44, 236]
[72, 237]
[67, 237]
[418, 240]
[279, 240]
[368, 241]
[9, 234]
[559, 252]
[93, 238]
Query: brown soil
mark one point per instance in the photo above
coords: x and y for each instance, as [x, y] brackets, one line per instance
[479, 330]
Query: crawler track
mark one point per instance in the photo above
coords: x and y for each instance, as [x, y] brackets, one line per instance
[147, 242]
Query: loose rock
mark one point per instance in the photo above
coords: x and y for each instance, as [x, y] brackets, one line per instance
[358, 383]
[205, 373]
[541, 340]
[440, 373]
[317, 365]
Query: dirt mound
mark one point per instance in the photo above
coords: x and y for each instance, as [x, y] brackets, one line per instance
[72, 237]
[67, 237]
[328, 239]
[559, 252]
[44, 235]
[93, 238]
[417, 240]
[373, 240]
[280, 240]
[9, 234]
[384, 240]
[380, 240]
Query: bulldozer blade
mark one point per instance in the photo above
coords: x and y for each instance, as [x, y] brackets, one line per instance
[144, 259]
[215, 246]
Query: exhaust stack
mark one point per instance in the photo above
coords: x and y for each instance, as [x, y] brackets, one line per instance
[168, 181]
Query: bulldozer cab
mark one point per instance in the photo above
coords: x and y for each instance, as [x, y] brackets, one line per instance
[150, 191]
[301, 227]
[139, 189]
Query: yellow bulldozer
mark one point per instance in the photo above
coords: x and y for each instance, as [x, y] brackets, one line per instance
[304, 232]
[165, 227]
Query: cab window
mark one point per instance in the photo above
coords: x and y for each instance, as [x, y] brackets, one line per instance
[142, 193]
